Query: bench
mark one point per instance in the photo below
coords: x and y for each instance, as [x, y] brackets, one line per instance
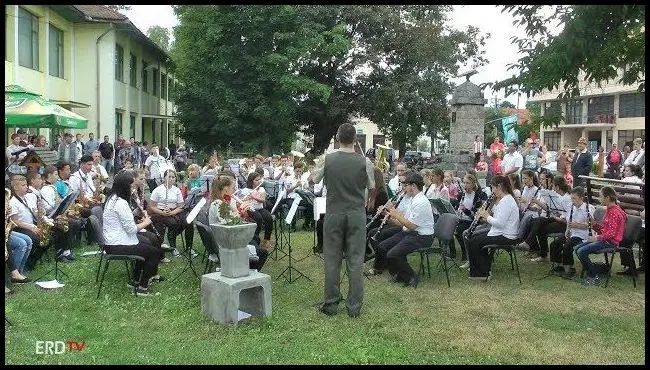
[631, 196]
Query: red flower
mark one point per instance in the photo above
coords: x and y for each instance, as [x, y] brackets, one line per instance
[226, 198]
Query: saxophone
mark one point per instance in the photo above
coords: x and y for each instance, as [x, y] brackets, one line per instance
[44, 225]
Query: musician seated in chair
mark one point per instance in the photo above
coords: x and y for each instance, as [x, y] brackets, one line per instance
[472, 200]
[417, 232]
[167, 213]
[222, 189]
[17, 248]
[139, 205]
[254, 197]
[610, 234]
[291, 183]
[504, 223]
[536, 240]
[120, 233]
[578, 231]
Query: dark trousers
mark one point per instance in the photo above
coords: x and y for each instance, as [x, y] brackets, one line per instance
[477, 156]
[262, 255]
[537, 237]
[562, 252]
[319, 233]
[264, 220]
[627, 256]
[150, 239]
[396, 248]
[460, 229]
[174, 225]
[381, 263]
[480, 261]
[151, 257]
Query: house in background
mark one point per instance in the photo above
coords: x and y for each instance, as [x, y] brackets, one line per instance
[95, 62]
[604, 115]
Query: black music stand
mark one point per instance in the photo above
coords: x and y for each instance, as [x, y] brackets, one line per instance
[278, 226]
[287, 271]
[61, 209]
[187, 253]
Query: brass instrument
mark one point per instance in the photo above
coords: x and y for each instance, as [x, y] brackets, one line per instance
[381, 160]
[44, 226]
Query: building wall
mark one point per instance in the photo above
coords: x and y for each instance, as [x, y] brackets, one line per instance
[85, 76]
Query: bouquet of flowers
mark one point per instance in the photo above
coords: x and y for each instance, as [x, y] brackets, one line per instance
[228, 216]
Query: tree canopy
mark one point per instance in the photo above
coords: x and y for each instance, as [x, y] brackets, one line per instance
[160, 36]
[254, 76]
[603, 42]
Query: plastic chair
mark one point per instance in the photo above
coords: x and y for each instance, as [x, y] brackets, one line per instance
[510, 249]
[444, 232]
[205, 233]
[97, 227]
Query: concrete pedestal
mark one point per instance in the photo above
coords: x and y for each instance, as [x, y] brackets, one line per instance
[222, 297]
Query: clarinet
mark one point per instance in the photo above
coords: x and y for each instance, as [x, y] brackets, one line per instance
[381, 208]
[385, 219]
[474, 224]
[588, 219]
[142, 212]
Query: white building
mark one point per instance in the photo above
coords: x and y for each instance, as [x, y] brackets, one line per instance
[607, 114]
[95, 62]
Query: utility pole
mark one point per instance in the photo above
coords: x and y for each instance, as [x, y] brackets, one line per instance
[496, 102]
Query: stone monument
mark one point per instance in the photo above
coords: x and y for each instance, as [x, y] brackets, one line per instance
[467, 121]
[235, 291]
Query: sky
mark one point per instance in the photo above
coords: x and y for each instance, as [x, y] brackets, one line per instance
[488, 18]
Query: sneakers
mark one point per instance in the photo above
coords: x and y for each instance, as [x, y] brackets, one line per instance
[591, 281]
[375, 272]
[165, 260]
[538, 259]
[558, 269]
[465, 265]
[166, 247]
[142, 292]
[481, 278]
[571, 272]
[175, 252]
[193, 253]
[523, 246]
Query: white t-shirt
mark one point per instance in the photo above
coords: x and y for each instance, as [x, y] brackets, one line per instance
[437, 191]
[505, 219]
[99, 169]
[118, 224]
[255, 204]
[167, 198]
[48, 194]
[82, 183]
[292, 181]
[580, 215]
[393, 184]
[23, 213]
[512, 160]
[154, 164]
[419, 213]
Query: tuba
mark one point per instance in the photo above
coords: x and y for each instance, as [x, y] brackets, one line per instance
[381, 158]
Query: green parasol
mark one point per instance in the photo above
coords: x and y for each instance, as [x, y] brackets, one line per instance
[27, 109]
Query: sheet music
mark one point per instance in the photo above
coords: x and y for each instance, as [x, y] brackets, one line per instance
[281, 196]
[292, 211]
[319, 207]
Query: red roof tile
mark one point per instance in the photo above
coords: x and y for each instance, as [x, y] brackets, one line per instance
[100, 12]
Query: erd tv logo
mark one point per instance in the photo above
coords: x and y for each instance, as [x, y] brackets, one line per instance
[51, 347]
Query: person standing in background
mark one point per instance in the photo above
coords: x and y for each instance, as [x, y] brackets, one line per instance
[91, 145]
[346, 175]
[478, 149]
[582, 163]
[108, 153]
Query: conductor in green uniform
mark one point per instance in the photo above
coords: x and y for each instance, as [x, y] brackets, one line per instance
[346, 175]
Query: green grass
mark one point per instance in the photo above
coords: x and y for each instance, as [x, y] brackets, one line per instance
[549, 321]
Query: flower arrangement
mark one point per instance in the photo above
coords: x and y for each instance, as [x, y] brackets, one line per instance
[228, 216]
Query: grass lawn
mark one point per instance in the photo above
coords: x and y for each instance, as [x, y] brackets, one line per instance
[549, 321]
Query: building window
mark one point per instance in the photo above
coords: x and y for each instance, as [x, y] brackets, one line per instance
[574, 112]
[145, 77]
[27, 39]
[156, 76]
[170, 96]
[631, 105]
[118, 124]
[552, 140]
[133, 71]
[132, 127]
[601, 109]
[552, 109]
[119, 63]
[56, 52]
[163, 86]
[626, 137]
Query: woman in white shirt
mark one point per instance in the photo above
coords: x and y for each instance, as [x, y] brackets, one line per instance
[633, 173]
[536, 240]
[120, 232]
[504, 224]
[167, 211]
[154, 165]
[254, 196]
[473, 199]
[530, 190]
[436, 188]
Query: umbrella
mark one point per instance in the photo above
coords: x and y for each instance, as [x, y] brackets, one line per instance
[298, 154]
[27, 109]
